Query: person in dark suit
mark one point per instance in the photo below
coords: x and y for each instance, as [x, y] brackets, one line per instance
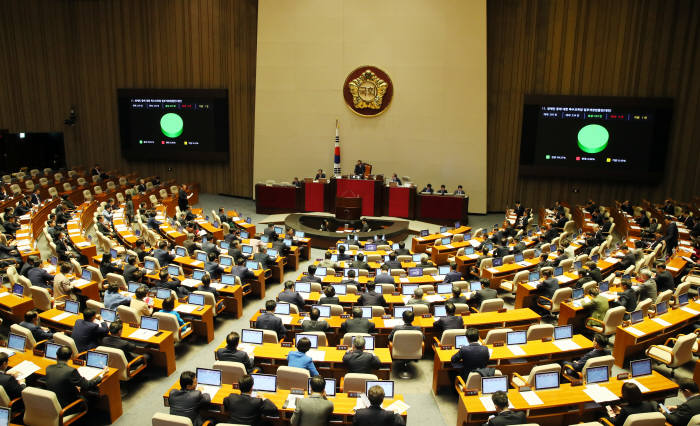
[103, 227]
[263, 258]
[599, 344]
[231, 353]
[182, 200]
[132, 273]
[89, 330]
[547, 287]
[402, 250]
[65, 380]
[12, 386]
[504, 416]
[448, 322]
[140, 249]
[671, 236]
[279, 245]
[395, 179]
[459, 191]
[268, 320]
[358, 361]
[633, 404]
[627, 259]
[39, 277]
[456, 296]
[242, 271]
[113, 340]
[171, 283]
[162, 255]
[442, 190]
[681, 415]
[212, 267]
[486, 293]
[359, 168]
[407, 317]
[360, 263]
[471, 356]
[371, 298]
[245, 409]
[663, 278]
[187, 400]
[209, 247]
[364, 226]
[311, 275]
[329, 297]
[206, 287]
[357, 324]
[594, 271]
[375, 415]
[453, 275]
[320, 175]
[315, 409]
[313, 324]
[428, 189]
[384, 277]
[628, 297]
[31, 323]
[393, 263]
[289, 295]
[235, 252]
[342, 255]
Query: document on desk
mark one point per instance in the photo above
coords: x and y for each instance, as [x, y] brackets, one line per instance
[143, 334]
[449, 246]
[639, 385]
[563, 279]
[62, 316]
[286, 319]
[316, 355]
[516, 350]
[523, 263]
[9, 352]
[487, 403]
[247, 348]
[83, 244]
[49, 268]
[531, 398]
[474, 243]
[24, 368]
[493, 270]
[80, 282]
[634, 331]
[362, 402]
[671, 268]
[432, 298]
[600, 394]
[186, 308]
[566, 345]
[189, 282]
[691, 311]
[291, 402]
[406, 298]
[611, 259]
[661, 322]
[393, 322]
[218, 286]
[404, 280]
[210, 390]
[89, 373]
[446, 234]
[398, 407]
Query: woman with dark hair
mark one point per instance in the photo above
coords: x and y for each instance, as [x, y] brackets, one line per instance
[633, 404]
[106, 266]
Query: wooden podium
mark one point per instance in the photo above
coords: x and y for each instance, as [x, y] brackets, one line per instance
[348, 208]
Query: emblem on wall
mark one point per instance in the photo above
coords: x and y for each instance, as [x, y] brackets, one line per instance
[368, 91]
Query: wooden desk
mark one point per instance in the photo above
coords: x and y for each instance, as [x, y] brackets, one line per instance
[232, 295]
[442, 208]
[13, 307]
[526, 294]
[507, 271]
[202, 318]
[241, 223]
[108, 389]
[627, 343]
[564, 406]
[537, 352]
[419, 244]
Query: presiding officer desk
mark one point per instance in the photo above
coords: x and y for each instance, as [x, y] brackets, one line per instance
[328, 360]
[566, 405]
[343, 404]
[536, 352]
[161, 346]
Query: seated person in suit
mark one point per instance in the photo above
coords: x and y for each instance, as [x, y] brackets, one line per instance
[296, 182]
[320, 175]
[359, 168]
[663, 278]
[64, 380]
[356, 360]
[329, 297]
[371, 298]
[375, 415]
[472, 356]
[599, 344]
[395, 179]
[242, 271]
[114, 340]
[326, 263]
[89, 331]
[393, 263]
[598, 305]
[245, 409]
[315, 409]
[627, 258]
[289, 295]
[647, 286]
[486, 293]
[595, 272]
[428, 189]
[504, 415]
[231, 353]
[31, 323]
[628, 297]
[62, 285]
[360, 262]
[313, 324]
[138, 304]
[357, 324]
[350, 280]
[448, 322]
[325, 225]
[162, 255]
[407, 317]
[113, 298]
[171, 283]
[13, 387]
[188, 400]
[442, 190]
[140, 249]
[402, 250]
[417, 298]
[132, 273]
[384, 277]
[299, 358]
[546, 288]
[342, 255]
[107, 267]
[633, 404]
[365, 226]
[459, 191]
[270, 230]
[457, 296]
[39, 277]
[425, 262]
[681, 414]
[212, 266]
[268, 320]
[263, 258]
[453, 275]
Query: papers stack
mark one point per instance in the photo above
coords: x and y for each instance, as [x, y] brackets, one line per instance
[661, 322]
[566, 345]
[89, 373]
[634, 331]
[691, 311]
[80, 282]
[434, 298]
[316, 355]
[639, 385]
[531, 398]
[516, 350]
[247, 348]
[50, 269]
[186, 308]
[83, 244]
[143, 334]
[291, 402]
[600, 394]
[217, 286]
[362, 402]
[487, 403]
[398, 407]
[24, 368]
[524, 263]
[189, 282]
[62, 316]
[286, 319]
[209, 390]
[393, 322]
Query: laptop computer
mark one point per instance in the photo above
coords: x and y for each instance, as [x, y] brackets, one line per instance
[228, 279]
[439, 311]
[251, 336]
[366, 312]
[444, 288]
[132, 287]
[72, 306]
[282, 309]
[149, 265]
[640, 367]
[563, 332]
[209, 380]
[408, 289]
[558, 271]
[302, 287]
[108, 315]
[149, 323]
[548, 380]
[399, 310]
[494, 384]
[369, 342]
[516, 338]
[370, 247]
[424, 233]
[340, 289]
[497, 261]
[5, 416]
[224, 245]
[245, 235]
[444, 229]
[683, 299]
[264, 382]
[312, 338]
[16, 342]
[252, 265]
[321, 271]
[661, 308]
[86, 275]
[461, 341]
[387, 385]
[330, 387]
[246, 249]
[18, 290]
[415, 272]
[533, 276]
[299, 234]
[225, 260]
[163, 293]
[519, 257]
[51, 349]
[637, 316]
[195, 299]
[468, 250]
[279, 230]
[173, 270]
[444, 269]
[577, 293]
[600, 374]
[474, 285]
[603, 286]
[416, 257]
[201, 256]
[325, 311]
[94, 363]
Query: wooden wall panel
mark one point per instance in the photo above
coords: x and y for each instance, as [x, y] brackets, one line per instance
[591, 47]
[80, 51]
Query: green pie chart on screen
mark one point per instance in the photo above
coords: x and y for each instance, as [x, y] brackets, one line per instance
[593, 138]
[171, 125]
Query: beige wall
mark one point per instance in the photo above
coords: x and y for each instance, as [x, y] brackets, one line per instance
[433, 50]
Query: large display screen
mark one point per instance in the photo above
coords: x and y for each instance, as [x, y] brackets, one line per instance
[595, 137]
[174, 124]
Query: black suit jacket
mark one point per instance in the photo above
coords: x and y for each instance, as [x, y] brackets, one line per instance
[447, 323]
[627, 260]
[311, 325]
[264, 259]
[507, 418]
[163, 257]
[481, 295]
[627, 409]
[628, 299]
[234, 355]
[452, 276]
[685, 411]
[664, 281]
[377, 416]
[11, 386]
[64, 380]
[88, 334]
[187, 403]
[311, 279]
[117, 342]
[357, 325]
[268, 321]
[402, 327]
[593, 353]
[242, 272]
[361, 362]
[325, 300]
[372, 299]
[547, 287]
[671, 236]
[37, 331]
[292, 297]
[470, 357]
[215, 270]
[384, 279]
[244, 409]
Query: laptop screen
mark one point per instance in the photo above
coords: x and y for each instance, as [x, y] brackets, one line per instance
[163, 293]
[424, 233]
[444, 269]
[578, 265]
[683, 299]
[302, 287]
[321, 271]
[16, 342]
[549, 380]
[149, 323]
[497, 261]
[97, 359]
[132, 287]
[173, 270]
[563, 332]
[469, 250]
[444, 288]
[254, 337]
[416, 257]
[265, 239]
[246, 249]
[299, 234]
[494, 384]
[228, 279]
[597, 374]
[209, 377]
[282, 309]
[113, 253]
[51, 349]
[108, 315]
[264, 382]
[474, 285]
[53, 260]
[251, 264]
[72, 306]
[533, 276]
[641, 367]
[445, 241]
[195, 299]
[340, 289]
[519, 257]
[180, 252]
[312, 338]
[366, 311]
[87, 275]
[415, 272]
[577, 293]
[149, 264]
[325, 311]
[245, 235]
[399, 310]
[224, 245]
[604, 286]
[369, 342]
[279, 230]
[287, 242]
[370, 247]
[387, 385]
[4, 416]
[443, 229]
[272, 253]
[197, 274]
[201, 256]
[408, 289]
[662, 308]
[439, 311]
[460, 341]
[330, 387]
[636, 316]
[226, 261]
[558, 271]
[516, 337]
[18, 290]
